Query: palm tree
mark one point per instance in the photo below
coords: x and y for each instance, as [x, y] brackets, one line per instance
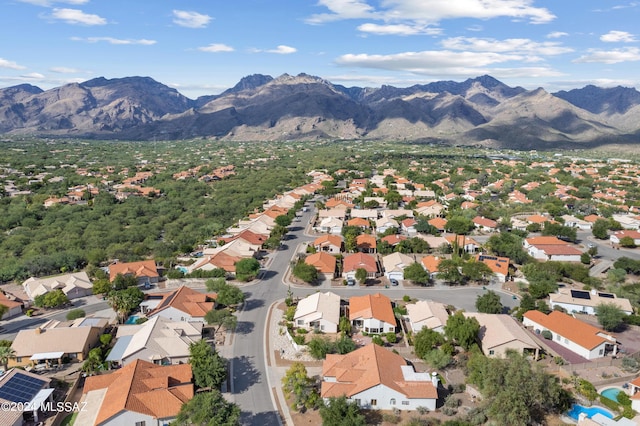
[6, 352]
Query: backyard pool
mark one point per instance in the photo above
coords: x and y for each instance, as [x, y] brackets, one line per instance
[611, 393]
[576, 409]
[132, 319]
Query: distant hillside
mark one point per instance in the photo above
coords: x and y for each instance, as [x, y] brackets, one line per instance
[478, 111]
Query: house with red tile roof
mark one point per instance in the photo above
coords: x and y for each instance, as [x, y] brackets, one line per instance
[182, 304]
[551, 248]
[634, 389]
[393, 240]
[468, 244]
[484, 224]
[581, 338]
[366, 243]
[439, 223]
[360, 222]
[498, 265]
[372, 313]
[355, 261]
[408, 225]
[139, 393]
[630, 233]
[13, 305]
[145, 271]
[375, 378]
[220, 260]
[324, 262]
[431, 264]
[328, 243]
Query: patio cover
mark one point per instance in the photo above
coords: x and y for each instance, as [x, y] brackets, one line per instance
[46, 355]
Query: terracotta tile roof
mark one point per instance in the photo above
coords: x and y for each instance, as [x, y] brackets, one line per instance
[334, 240]
[324, 262]
[359, 221]
[333, 202]
[360, 260]
[376, 306]
[366, 241]
[9, 303]
[541, 241]
[145, 268]
[221, 259]
[560, 249]
[393, 239]
[536, 218]
[431, 263]
[483, 221]
[631, 233]
[186, 300]
[468, 205]
[143, 387]
[569, 327]
[463, 240]
[438, 222]
[368, 367]
[249, 236]
[497, 264]
[592, 218]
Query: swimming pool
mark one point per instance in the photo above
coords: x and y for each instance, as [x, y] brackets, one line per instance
[132, 319]
[611, 393]
[576, 409]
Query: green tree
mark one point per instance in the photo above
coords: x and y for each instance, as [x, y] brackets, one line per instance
[6, 353]
[459, 225]
[75, 314]
[627, 242]
[344, 344]
[94, 361]
[221, 318]
[600, 228]
[345, 326]
[319, 347]
[247, 269]
[616, 276]
[283, 220]
[229, 295]
[340, 412]
[209, 368]
[610, 316]
[52, 299]
[105, 339]
[438, 359]
[361, 275]
[449, 270]
[121, 282]
[462, 330]
[208, 409]
[124, 301]
[473, 270]
[416, 273]
[102, 286]
[3, 311]
[304, 271]
[300, 387]
[585, 258]
[425, 341]
[489, 303]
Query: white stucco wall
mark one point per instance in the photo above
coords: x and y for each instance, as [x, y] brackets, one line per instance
[383, 397]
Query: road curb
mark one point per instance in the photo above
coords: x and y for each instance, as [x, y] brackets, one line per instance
[277, 400]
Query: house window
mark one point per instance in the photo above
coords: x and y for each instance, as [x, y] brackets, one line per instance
[18, 359]
[393, 401]
[558, 337]
[300, 322]
[601, 351]
[405, 402]
[374, 402]
[358, 402]
[492, 352]
[566, 340]
[374, 330]
[142, 423]
[322, 327]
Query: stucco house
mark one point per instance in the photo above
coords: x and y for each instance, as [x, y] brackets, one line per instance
[375, 378]
[145, 271]
[498, 265]
[634, 390]
[318, 311]
[325, 263]
[13, 305]
[431, 265]
[182, 304]
[394, 265]
[619, 235]
[485, 224]
[73, 285]
[551, 248]
[158, 340]
[366, 243]
[583, 339]
[586, 301]
[355, 261]
[500, 333]
[427, 314]
[219, 260]
[328, 243]
[372, 313]
[23, 389]
[331, 225]
[141, 393]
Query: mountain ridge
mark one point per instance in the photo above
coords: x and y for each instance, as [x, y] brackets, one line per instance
[477, 111]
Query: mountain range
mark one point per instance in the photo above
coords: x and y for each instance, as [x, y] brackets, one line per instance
[481, 111]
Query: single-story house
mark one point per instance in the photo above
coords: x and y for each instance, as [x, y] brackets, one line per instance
[369, 214]
[586, 301]
[328, 243]
[14, 306]
[384, 223]
[581, 338]
[498, 265]
[219, 260]
[182, 304]
[22, 390]
[619, 235]
[393, 240]
[431, 264]
[634, 390]
[73, 285]
[394, 264]
[427, 313]
[145, 271]
[484, 224]
[158, 340]
[318, 311]
[141, 393]
[324, 262]
[372, 313]
[355, 261]
[467, 244]
[330, 225]
[500, 333]
[409, 225]
[551, 248]
[574, 222]
[375, 378]
[366, 243]
[439, 223]
[359, 222]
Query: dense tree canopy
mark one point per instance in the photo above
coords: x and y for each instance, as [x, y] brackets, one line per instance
[489, 303]
[208, 409]
[209, 368]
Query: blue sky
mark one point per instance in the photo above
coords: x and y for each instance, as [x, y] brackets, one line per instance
[204, 47]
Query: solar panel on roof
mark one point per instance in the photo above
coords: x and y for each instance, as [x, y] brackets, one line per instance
[21, 388]
[579, 294]
[607, 295]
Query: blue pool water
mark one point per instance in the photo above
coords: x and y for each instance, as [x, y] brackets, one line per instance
[576, 409]
[611, 393]
[132, 319]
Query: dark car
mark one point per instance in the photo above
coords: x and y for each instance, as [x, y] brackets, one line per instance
[394, 281]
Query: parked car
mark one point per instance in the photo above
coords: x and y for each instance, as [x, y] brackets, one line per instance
[394, 281]
[351, 281]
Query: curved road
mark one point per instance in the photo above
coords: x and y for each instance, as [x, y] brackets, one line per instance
[249, 384]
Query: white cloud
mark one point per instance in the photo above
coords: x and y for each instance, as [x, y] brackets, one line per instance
[511, 45]
[64, 70]
[4, 63]
[216, 47]
[614, 56]
[557, 34]
[398, 29]
[32, 76]
[77, 17]
[112, 40]
[617, 37]
[283, 50]
[190, 19]
[431, 11]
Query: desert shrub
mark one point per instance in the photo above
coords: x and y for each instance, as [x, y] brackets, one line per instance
[391, 337]
[547, 334]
